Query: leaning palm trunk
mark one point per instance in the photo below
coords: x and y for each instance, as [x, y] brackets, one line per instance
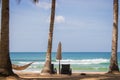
[114, 62]
[47, 67]
[5, 62]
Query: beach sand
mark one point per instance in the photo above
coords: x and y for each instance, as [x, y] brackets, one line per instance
[74, 76]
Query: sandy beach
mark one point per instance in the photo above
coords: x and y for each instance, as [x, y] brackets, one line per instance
[74, 76]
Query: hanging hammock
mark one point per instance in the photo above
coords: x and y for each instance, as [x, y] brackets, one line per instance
[17, 67]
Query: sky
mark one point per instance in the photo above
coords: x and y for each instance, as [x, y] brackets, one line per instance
[80, 25]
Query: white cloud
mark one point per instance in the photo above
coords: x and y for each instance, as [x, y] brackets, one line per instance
[59, 19]
[44, 5]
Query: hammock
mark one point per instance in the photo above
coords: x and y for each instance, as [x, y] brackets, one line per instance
[17, 67]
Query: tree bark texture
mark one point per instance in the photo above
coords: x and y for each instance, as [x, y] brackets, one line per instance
[114, 62]
[5, 62]
[47, 66]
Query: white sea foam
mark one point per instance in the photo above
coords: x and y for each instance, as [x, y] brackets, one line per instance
[37, 66]
[85, 61]
[69, 61]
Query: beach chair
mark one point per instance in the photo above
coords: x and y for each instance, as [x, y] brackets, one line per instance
[53, 70]
[66, 69]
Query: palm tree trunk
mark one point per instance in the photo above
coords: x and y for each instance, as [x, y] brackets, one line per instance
[114, 62]
[47, 66]
[5, 62]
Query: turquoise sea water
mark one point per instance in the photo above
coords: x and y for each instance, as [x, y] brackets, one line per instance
[80, 61]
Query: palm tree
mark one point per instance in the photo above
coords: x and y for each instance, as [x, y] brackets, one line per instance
[114, 62]
[5, 62]
[46, 70]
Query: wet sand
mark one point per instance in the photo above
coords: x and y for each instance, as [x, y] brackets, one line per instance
[74, 76]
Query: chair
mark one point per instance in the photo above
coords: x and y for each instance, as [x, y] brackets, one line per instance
[66, 69]
[53, 70]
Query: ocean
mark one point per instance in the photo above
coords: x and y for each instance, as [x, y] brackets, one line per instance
[79, 61]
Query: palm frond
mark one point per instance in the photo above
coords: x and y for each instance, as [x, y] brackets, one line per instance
[35, 1]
